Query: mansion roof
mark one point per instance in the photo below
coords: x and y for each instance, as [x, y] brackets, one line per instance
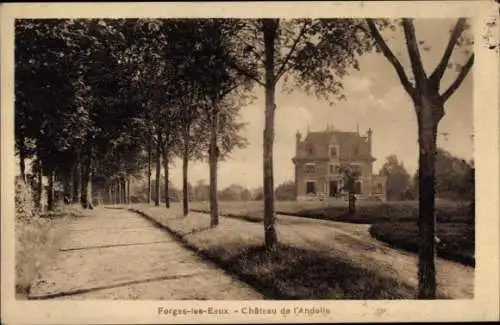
[351, 145]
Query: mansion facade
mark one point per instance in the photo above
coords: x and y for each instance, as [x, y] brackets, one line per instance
[318, 159]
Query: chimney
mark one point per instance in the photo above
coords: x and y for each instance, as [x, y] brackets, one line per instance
[297, 140]
[369, 138]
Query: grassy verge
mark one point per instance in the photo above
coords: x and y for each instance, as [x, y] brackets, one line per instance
[290, 271]
[37, 241]
[456, 239]
[366, 212]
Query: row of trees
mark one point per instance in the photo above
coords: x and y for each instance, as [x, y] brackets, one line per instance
[201, 192]
[103, 98]
[454, 178]
[454, 181]
[91, 94]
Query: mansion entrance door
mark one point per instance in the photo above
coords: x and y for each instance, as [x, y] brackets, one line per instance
[333, 190]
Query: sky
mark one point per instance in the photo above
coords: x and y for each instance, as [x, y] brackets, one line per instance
[375, 99]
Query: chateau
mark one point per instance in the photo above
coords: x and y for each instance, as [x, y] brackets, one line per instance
[319, 156]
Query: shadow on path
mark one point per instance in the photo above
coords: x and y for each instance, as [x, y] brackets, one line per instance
[117, 285]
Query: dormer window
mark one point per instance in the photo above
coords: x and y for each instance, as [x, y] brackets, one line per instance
[334, 151]
[309, 150]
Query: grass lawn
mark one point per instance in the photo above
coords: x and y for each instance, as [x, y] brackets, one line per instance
[392, 222]
[367, 212]
[306, 264]
[37, 243]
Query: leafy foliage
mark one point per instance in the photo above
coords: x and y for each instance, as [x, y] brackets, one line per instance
[285, 191]
[398, 185]
[25, 207]
[91, 92]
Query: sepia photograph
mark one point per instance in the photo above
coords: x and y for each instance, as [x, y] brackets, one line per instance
[249, 160]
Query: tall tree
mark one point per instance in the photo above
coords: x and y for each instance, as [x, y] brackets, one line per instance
[285, 191]
[152, 50]
[429, 101]
[453, 177]
[311, 54]
[201, 191]
[398, 179]
[350, 176]
[221, 82]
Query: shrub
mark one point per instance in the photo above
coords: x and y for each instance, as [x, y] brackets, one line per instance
[456, 240]
[37, 237]
[24, 204]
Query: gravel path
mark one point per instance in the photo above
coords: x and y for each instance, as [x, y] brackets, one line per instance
[116, 254]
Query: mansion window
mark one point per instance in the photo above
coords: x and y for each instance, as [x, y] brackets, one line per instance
[356, 168]
[357, 187]
[310, 187]
[310, 168]
[333, 152]
[334, 169]
[378, 188]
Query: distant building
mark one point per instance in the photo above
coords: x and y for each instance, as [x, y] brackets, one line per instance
[318, 158]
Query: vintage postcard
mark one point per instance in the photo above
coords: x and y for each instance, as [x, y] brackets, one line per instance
[254, 162]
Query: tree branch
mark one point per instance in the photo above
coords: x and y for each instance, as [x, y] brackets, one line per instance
[460, 78]
[391, 57]
[292, 49]
[414, 52]
[227, 91]
[438, 73]
[245, 73]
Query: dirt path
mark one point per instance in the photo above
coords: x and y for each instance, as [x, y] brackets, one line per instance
[115, 254]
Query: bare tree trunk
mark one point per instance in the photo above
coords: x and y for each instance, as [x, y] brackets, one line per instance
[50, 191]
[149, 169]
[185, 162]
[166, 185]
[429, 107]
[88, 184]
[110, 195]
[39, 189]
[128, 190]
[213, 155]
[83, 187]
[158, 175]
[22, 158]
[119, 191]
[72, 184]
[77, 195]
[427, 133]
[269, 28]
[352, 204]
[67, 186]
[124, 190]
